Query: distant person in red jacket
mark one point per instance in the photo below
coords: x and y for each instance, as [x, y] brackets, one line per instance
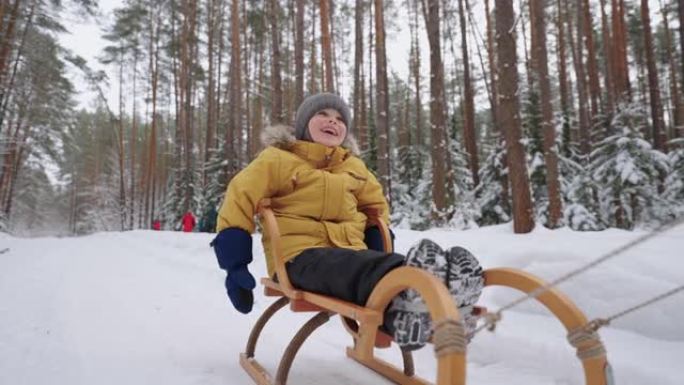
[156, 224]
[188, 222]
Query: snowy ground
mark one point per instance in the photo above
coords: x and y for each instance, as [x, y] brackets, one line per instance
[148, 307]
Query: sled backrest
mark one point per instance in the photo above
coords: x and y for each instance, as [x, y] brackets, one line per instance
[271, 228]
[306, 301]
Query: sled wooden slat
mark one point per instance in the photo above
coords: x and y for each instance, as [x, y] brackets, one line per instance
[260, 375]
[387, 370]
[306, 301]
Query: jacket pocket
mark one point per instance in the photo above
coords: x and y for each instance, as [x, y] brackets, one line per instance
[353, 235]
[354, 181]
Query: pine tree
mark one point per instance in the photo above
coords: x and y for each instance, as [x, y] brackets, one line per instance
[463, 211]
[41, 106]
[494, 209]
[532, 129]
[582, 211]
[630, 172]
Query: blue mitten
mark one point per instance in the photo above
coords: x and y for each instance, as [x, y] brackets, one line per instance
[233, 248]
[373, 239]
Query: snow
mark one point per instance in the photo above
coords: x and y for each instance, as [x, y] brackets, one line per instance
[147, 307]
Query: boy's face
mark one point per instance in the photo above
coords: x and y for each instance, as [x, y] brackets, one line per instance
[327, 128]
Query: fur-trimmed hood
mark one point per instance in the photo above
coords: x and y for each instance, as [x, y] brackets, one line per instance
[283, 137]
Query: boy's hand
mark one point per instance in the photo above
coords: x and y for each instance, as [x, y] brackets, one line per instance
[239, 285]
[233, 248]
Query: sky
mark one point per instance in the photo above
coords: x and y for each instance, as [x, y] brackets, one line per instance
[149, 307]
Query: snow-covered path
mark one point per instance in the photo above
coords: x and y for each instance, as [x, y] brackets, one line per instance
[148, 307]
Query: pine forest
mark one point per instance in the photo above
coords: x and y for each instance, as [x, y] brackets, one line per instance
[536, 112]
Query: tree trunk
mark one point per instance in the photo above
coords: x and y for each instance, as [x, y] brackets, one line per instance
[219, 70]
[675, 97]
[299, 54]
[133, 144]
[358, 61]
[437, 113]
[7, 38]
[494, 100]
[313, 81]
[523, 33]
[404, 134]
[586, 95]
[187, 45]
[620, 71]
[154, 78]
[7, 83]
[245, 93]
[287, 25]
[657, 124]
[235, 100]
[680, 8]
[13, 162]
[469, 135]
[257, 119]
[121, 150]
[607, 54]
[563, 73]
[326, 46]
[212, 19]
[541, 69]
[416, 62]
[362, 124]
[8, 172]
[578, 63]
[382, 92]
[510, 116]
[277, 91]
[371, 87]
[594, 88]
[641, 94]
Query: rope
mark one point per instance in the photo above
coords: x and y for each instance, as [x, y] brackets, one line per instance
[598, 323]
[449, 337]
[642, 305]
[490, 322]
[587, 343]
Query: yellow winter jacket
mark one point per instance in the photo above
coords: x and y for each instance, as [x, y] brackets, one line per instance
[318, 195]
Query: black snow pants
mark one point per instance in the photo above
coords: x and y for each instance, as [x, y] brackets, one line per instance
[350, 275]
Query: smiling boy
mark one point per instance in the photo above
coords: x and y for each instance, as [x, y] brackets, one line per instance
[319, 190]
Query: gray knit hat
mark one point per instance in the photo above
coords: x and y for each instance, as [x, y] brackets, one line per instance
[314, 103]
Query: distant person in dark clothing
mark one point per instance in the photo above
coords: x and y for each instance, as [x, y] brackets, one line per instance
[208, 222]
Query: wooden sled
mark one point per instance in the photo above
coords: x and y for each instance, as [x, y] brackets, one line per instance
[363, 322]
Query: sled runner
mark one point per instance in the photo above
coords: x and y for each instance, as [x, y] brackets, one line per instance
[363, 323]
